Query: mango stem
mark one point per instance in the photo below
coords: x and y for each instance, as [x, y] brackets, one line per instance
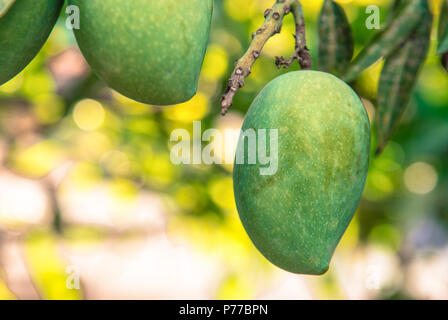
[271, 26]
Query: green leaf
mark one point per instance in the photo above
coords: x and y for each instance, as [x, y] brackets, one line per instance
[388, 39]
[398, 78]
[4, 6]
[443, 29]
[336, 43]
[395, 10]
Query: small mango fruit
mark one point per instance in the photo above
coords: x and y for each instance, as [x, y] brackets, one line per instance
[24, 27]
[297, 216]
[150, 51]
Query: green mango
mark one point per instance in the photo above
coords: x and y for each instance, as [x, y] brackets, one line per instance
[150, 51]
[24, 27]
[296, 216]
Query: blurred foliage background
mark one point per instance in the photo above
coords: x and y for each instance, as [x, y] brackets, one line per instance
[92, 207]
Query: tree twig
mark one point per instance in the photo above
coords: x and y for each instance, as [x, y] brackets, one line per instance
[301, 53]
[271, 26]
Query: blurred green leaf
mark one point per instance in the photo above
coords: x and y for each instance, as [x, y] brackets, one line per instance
[335, 39]
[388, 39]
[395, 10]
[398, 78]
[443, 29]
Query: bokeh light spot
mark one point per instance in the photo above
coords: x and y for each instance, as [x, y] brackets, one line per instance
[420, 178]
[215, 62]
[89, 114]
[195, 109]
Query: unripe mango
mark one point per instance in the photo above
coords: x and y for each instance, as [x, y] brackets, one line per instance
[297, 216]
[150, 51]
[24, 28]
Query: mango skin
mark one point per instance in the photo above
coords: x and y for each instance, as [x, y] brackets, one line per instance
[297, 216]
[150, 51]
[23, 31]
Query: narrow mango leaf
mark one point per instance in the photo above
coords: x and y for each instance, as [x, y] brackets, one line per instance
[388, 39]
[52, 277]
[336, 43]
[443, 29]
[395, 10]
[398, 78]
[4, 6]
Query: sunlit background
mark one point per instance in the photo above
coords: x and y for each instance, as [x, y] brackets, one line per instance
[91, 206]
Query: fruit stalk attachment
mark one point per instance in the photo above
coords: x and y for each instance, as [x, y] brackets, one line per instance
[271, 26]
